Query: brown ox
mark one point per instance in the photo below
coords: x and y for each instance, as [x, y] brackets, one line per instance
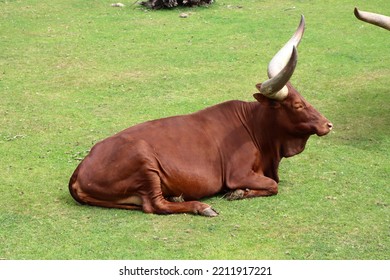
[233, 148]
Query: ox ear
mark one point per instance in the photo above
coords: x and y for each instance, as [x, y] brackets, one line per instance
[259, 97]
[263, 99]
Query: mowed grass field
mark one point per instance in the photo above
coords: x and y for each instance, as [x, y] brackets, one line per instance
[75, 72]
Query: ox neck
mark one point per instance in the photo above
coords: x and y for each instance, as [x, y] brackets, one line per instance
[267, 134]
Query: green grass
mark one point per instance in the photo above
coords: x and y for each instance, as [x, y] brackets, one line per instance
[74, 72]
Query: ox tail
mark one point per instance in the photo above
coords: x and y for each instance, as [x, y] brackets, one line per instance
[73, 186]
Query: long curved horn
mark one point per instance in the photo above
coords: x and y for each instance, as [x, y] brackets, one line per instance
[275, 88]
[281, 58]
[376, 19]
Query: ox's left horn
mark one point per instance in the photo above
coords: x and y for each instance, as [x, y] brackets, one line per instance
[376, 19]
[282, 66]
[281, 58]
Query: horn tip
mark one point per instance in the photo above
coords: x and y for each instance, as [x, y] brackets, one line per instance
[302, 23]
[356, 12]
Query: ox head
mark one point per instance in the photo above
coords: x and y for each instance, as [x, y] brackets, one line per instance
[286, 109]
[376, 19]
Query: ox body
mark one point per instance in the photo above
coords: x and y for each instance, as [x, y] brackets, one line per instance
[164, 166]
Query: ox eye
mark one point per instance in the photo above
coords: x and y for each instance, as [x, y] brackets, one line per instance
[299, 106]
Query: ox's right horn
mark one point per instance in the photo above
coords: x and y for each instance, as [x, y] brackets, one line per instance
[376, 19]
[275, 88]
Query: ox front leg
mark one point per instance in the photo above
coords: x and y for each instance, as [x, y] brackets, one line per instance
[252, 186]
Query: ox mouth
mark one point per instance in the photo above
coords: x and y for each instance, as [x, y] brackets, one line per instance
[328, 127]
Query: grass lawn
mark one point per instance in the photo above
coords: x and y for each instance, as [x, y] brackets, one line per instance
[75, 72]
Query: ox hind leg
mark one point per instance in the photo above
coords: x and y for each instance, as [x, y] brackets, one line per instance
[155, 202]
[151, 194]
[149, 199]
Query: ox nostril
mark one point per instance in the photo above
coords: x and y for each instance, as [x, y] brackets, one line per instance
[330, 125]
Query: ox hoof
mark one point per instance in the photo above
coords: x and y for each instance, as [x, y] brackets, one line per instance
[235, 195]
[209, 212]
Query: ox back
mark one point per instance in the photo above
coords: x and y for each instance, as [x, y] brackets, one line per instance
[165, 166]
